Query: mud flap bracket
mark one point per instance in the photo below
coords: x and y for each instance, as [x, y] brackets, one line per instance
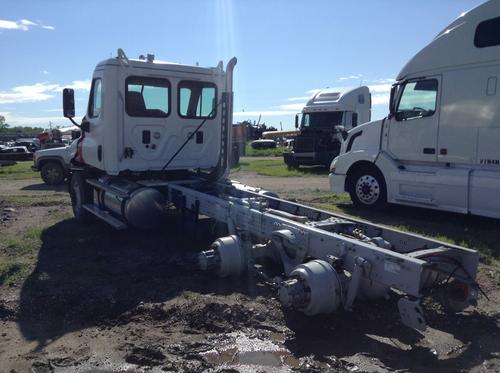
[411, 313]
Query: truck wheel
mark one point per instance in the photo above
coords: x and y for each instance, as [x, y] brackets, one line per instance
[291, 164]
[80, 193]
[235, 158]
[52, 173]
[367, 189]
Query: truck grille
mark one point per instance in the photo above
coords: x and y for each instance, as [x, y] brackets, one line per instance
[304, 144]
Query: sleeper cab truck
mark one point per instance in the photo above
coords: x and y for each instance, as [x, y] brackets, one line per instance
[439, 147]
[325, 117]
[147, 119]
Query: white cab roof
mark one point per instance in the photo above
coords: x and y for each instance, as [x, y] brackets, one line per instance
[455, 44]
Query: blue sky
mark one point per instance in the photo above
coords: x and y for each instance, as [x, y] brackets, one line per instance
[285, 49]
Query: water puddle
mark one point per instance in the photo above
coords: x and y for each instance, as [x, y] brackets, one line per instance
[253, 354]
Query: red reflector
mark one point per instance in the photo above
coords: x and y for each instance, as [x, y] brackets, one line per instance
[79, 153]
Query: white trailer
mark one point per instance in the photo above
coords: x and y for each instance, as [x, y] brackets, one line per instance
[439, 146]
[157, 134]
[325, 118]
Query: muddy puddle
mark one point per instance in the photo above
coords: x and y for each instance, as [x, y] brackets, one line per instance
[252, 354]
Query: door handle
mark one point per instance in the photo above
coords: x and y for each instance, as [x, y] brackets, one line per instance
[429, 151]
[443, 151]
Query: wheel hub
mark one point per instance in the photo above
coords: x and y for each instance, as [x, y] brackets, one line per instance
[52, 174]
[367, 189]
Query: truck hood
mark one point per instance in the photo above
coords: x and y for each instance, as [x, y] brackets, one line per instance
[51, 152]
[55, 152]
[365, 136]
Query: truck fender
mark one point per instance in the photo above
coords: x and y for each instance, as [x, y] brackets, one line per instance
[59, 159]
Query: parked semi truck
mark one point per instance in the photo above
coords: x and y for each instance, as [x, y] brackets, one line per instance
[157, 134]
[439, 146]
[324, 119]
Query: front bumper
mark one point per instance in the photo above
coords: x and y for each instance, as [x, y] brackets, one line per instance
[337, 182]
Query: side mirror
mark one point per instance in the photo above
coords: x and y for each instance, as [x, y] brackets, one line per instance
[69, 103]
[296, 121]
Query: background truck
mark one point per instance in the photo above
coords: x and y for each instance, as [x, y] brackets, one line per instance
[15, 153]
[54, 163]
[439, 146]
[157, 136]
[324, 118]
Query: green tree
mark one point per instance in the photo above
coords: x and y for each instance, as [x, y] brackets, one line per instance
[3, 125]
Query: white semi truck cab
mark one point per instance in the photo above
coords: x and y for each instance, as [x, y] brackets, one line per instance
[325, 117]
[141, 111]
[439, 146]
[156, 137]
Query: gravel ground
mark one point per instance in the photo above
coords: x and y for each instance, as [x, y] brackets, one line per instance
[99, 300]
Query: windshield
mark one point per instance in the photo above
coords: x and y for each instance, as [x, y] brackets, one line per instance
[322, 119]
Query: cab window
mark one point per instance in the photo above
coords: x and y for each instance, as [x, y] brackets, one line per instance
[95, 101]
[418, 99]
[197, 99]
[322, 119]
[147, 97]
[488, 33]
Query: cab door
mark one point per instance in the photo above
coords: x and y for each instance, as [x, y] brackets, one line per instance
[92, 146]
[413, 129]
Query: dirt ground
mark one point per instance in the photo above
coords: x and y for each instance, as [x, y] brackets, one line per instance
[98, 300]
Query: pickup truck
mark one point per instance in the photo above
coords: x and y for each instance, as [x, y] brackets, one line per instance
[53, 163]
[15, 153]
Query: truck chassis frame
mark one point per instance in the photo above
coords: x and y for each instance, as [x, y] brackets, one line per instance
[327, 260]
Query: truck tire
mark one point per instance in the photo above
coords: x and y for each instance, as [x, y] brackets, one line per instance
[235, 158]
[52, 173]
[291, 164]
[80, 193]
[367, 188]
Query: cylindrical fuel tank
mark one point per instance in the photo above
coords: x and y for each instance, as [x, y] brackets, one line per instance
[140, 206]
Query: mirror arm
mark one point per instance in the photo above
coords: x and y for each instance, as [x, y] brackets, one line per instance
[73, 121]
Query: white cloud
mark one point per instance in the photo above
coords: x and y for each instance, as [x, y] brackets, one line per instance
[9, 25]
[27, 22]
[351, 77]
[386, 80]
[289, 107]
[381, 93]
[314, 91]
[23, 24]
[38, 121]
[83, 85]
[44, 72]
[39, 91]
[303, 98]
[263, 113]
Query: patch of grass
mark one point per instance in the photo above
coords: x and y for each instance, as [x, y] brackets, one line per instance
[276, 167]
[19, 171]
[12, 272]
[275, 152]
[17, 255]
[52, 199]
[25, 245]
